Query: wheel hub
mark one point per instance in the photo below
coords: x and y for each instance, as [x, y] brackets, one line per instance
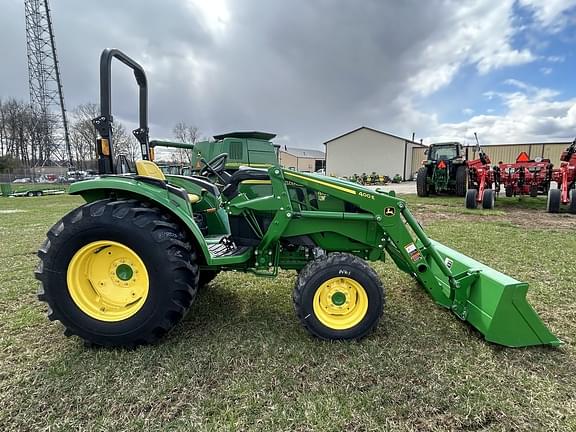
[340, 303]
[107, 281]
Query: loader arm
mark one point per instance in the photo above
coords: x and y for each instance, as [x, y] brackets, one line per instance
[492, 302]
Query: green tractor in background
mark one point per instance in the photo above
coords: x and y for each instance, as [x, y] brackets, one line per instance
[250, 149]
[124, 268]
[444, 171]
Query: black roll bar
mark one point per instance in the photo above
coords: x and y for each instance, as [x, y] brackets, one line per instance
[103, 123]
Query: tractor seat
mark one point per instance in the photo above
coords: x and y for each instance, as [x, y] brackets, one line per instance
[151, 170]
[243, 173]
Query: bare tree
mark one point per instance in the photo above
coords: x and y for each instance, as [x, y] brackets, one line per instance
[125, 143]
[188, 134]
[83, 134]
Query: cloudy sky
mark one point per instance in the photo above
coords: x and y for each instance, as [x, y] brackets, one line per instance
[310, 70]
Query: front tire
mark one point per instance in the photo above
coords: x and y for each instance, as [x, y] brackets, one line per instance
[488, 199]
[338, 297]
[471, 196]
[553, 203]
[572, 205]
[117, 273]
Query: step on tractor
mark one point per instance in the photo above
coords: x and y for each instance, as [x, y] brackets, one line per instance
[483, 183]
[124, 268]
[526, 176]
[443, 171]
[565, 178]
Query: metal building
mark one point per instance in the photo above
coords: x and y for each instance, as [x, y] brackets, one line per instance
[299, 159]
[367, 150]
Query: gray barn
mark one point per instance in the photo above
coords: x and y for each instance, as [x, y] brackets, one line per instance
[367, 150]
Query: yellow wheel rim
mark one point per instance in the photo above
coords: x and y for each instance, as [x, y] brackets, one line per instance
[107, 280]
[340, 303]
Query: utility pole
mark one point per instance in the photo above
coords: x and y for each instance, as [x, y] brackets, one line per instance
[45, 84]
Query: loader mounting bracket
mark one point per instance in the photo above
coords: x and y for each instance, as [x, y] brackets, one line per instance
[460, 292]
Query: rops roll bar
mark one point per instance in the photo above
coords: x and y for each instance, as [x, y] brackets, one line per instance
[103, 123]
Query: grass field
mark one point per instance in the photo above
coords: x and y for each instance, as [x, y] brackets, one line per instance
[241, 361]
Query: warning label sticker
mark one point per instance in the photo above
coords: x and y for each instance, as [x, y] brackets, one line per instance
[413, 251]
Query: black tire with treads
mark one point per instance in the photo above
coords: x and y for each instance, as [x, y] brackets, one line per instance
[470, 200]
[330, 266]
[554, 201]
[164, 247]
[572, 203]
[461, 181]
[422, 182]
[488, 199]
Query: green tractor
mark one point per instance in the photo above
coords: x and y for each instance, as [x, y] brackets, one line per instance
[250, 149]
[124, 268]
[444, 171]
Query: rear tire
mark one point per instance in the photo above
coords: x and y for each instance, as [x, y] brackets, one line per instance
[553, 203]
[168, 273]
[534, 191]
[338, 297]
[461, 181]
[488, 199]
[422, 182]
[471, 196]
[572, 206]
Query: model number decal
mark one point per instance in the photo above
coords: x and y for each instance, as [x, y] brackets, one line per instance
[366, 195]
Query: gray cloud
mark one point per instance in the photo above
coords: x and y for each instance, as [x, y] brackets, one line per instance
[307, 70]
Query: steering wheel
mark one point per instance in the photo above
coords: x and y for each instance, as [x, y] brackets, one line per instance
[215, 166]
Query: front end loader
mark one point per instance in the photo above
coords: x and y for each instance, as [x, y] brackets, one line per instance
[124, 268]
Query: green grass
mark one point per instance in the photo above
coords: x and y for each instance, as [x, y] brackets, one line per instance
[240, 360]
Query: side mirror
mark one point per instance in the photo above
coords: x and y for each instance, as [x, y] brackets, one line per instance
[426, 151]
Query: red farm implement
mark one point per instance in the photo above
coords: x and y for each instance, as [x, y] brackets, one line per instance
[565, 177]
[526, 176]
[483, 181]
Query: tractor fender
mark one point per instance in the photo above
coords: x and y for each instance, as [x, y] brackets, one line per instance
[154, 191]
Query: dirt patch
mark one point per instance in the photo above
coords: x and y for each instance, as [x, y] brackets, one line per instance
[524, 218]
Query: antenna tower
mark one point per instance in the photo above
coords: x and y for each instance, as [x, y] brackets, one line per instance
[45, 84]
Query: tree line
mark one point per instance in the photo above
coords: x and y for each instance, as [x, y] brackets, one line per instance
[28, 139]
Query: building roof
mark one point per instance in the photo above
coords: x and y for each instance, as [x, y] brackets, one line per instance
[374, 130]
[564, 143]
[247, 134]
[303, 153]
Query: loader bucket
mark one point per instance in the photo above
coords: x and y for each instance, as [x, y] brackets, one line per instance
[496, 305]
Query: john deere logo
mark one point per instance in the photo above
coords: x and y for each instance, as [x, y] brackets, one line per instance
[389, 211]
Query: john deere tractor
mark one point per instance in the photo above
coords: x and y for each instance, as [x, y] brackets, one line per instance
[124, 268]
[244, 149]
[444, 170]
